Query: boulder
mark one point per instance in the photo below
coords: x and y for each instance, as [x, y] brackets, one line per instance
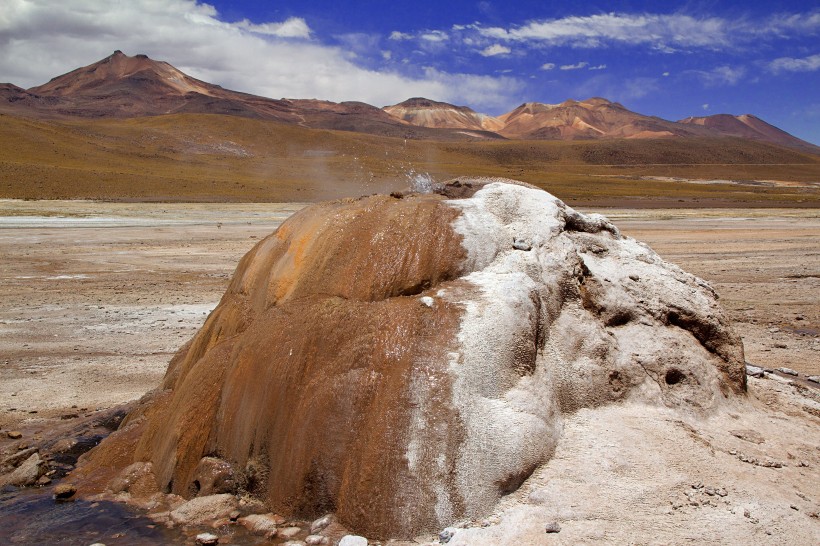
[204, 510]
[27, 473]
[404, 361]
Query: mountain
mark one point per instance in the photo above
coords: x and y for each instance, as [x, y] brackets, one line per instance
[429, 113]
[120, 86]
[747, 126]
[589, 119]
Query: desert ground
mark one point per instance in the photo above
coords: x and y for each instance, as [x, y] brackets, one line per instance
[96, 297]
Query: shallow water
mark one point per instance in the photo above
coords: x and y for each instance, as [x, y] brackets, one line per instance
[32, 516]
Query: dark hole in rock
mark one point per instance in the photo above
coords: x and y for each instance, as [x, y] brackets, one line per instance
[674, 376]
[618, 318]
[616, 380]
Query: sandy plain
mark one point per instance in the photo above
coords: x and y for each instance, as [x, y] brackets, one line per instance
[96, 297]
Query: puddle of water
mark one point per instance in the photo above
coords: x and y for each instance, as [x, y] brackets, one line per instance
[31, 516]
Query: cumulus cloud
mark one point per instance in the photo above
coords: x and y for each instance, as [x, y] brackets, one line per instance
[547, 66]
[599, 67]
[576, 66]
[495, 49]
[790, 64]
[705, 106]
[42, 38]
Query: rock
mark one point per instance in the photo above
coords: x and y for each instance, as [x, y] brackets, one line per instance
[755, 371]
[203, 510]
[294, 543]
[814, 378]
[214, 476]
[353, 540]
[787, 371]
[521, 244]
[207, 539]
[137, 479]
[14, 434]
[43, 480]
[445, 536]
[261, 524]
[288, 532]
[63, 445]
[749, 435]
[250, 505]
[64, 491]
[427, 301]
[15, 459]
[312, 540]
[27, 473]
[454, 405]
[319, 524]
[552, 527]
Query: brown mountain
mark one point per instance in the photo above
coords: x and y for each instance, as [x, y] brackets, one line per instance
[120, 86]
[126, 87]
[593, 118]
[747, 126]
[429, 113]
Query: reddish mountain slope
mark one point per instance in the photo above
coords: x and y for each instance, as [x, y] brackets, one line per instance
[747, 126]
[429, 113]
[128, 87]
[590, 119]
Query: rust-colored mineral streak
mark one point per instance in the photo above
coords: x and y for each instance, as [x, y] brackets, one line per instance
[403, 361]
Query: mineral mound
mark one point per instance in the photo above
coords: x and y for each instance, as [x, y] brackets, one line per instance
[404, 361]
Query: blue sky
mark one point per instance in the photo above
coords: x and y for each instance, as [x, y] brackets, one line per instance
[661, 58]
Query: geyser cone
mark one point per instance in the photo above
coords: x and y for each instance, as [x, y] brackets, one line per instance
[404, 362]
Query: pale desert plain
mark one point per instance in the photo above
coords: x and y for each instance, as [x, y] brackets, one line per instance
[95, 298]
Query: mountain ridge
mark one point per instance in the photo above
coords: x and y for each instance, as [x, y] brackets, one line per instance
[125, 87]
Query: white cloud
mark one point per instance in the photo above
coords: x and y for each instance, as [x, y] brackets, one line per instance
[790, 64]
[665, 74]
[294, 27]
[662, 32]
[42, 39]
[480, 92]
[434, 36]
[547, 66]
[705, 106]
[575, 66]
[399, 36]
[495, 49]
[599, 67]
[721, 75]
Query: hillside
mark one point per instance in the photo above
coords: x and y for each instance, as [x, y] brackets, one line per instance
[120, 86]
[206, 157]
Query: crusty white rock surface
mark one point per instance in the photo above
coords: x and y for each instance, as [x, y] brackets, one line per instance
[407, 361]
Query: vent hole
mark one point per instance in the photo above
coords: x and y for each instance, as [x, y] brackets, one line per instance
[674, 376]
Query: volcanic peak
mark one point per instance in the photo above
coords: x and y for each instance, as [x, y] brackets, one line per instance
[119, 72]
